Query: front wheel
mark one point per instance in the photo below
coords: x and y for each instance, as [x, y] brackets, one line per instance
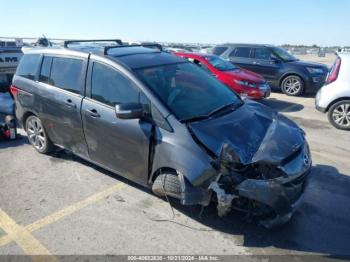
[37, 135]
[339, 115]
[292, 85]
[167, 184]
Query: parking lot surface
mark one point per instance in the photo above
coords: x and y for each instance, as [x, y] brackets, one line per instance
[59, 204]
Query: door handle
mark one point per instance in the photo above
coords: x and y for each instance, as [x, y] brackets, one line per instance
[70, 103]
[93, 113]
[255, 63]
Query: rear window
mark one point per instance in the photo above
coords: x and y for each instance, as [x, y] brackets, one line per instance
[28, 66]
[219, 50]
[241, 52]
[66, 73]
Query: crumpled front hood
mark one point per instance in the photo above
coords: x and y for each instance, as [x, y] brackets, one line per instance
[255, 132]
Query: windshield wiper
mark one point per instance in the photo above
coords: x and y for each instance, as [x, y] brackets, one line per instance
[232, 106]
[195, 118]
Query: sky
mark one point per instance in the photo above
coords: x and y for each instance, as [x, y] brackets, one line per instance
[321, 22]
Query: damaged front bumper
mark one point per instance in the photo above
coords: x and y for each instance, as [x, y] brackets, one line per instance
[278, 195]
[281, 197]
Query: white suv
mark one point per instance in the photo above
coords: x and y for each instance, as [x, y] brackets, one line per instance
[334, 97]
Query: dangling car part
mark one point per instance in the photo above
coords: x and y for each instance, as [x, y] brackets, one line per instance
[8, 130]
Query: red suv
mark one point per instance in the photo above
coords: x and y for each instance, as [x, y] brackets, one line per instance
[240, 80]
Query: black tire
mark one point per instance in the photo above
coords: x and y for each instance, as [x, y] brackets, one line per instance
[336, 111]
[167, 184]
[36, 132]
[292, 85]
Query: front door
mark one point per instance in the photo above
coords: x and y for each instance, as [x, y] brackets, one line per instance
[117, 144]
[264, 65]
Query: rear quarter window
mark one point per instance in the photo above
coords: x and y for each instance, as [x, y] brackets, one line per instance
[28, 66]
[219, 50]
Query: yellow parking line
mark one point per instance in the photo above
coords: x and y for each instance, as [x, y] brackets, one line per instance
[29, 244]
[73, 208]
[65, 212]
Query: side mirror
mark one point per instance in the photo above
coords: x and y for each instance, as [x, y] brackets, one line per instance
[129, 111]
[275, 60]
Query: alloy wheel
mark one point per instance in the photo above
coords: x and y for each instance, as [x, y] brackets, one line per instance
[292, 85]
[36, 134]
[341, 115]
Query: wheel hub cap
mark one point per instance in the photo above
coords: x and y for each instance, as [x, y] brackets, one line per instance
[341, 115]
[292, 86]
[36, 134]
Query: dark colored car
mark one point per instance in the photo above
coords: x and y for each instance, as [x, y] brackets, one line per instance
[164, 123]
[240, 80]
[281, 69]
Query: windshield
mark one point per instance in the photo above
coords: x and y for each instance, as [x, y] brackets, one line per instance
[282, 53]
[221, 64]
[187, 90]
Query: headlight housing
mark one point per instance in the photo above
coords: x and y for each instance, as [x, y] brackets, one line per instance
[245, 83]
[315, 70]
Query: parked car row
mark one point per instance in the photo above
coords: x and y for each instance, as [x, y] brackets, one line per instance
[282, 70]
[163, 122]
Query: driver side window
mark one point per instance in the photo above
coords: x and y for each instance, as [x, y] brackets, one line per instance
[263, 53]
[110, 87]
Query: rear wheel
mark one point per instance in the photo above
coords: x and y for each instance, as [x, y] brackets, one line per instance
[292, 85]
[37, 135]
[339, 115]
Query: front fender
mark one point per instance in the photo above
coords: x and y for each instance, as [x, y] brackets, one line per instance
[178, 150]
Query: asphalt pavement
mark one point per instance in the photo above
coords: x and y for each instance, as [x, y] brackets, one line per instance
[59, 204]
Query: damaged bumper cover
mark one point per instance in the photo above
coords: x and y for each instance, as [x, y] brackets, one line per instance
[282, 197]
[280, 194]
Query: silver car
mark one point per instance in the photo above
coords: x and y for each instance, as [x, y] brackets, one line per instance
[334, 97]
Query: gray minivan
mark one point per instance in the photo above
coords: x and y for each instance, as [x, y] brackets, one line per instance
[164, 123]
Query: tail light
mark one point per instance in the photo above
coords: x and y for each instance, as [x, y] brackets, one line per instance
[333, 75]
[14, 90]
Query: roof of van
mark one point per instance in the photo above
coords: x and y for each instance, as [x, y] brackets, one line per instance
[134, 56]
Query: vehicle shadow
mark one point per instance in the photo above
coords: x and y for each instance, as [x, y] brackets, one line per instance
[20, 141]
[320, 225]
[305, 95]
[282, 106]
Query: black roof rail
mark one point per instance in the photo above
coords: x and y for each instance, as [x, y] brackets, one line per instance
[68, 42]
[158, 46]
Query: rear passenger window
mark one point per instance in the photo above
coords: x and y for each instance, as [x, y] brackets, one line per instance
[45, 69]
[241, 52]
[111, 87]
[28, 66]
[66, 73]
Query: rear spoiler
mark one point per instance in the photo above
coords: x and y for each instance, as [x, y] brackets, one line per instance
[68, 42]
[157, 46]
